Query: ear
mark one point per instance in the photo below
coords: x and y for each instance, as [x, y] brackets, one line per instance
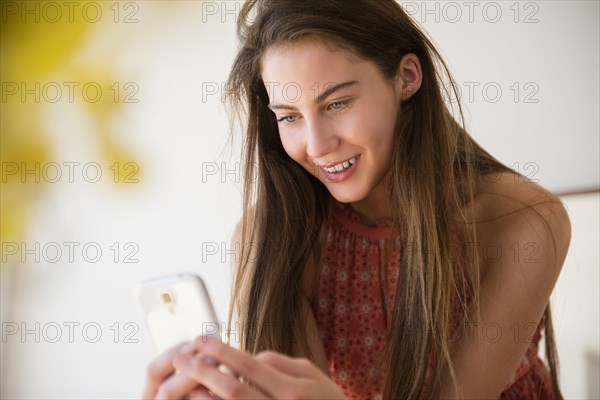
[408, 76]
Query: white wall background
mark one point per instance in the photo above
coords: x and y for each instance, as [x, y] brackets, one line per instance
[177, 51]
[576, 299]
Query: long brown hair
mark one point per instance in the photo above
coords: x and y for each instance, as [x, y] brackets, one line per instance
[434, 170]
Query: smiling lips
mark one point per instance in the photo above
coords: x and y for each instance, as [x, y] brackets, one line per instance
[340, 166]
[340, 171]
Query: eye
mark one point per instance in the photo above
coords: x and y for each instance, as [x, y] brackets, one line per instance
[288, 119]
[338, 105]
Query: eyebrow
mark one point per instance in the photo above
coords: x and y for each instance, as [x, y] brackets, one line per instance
[319, 99]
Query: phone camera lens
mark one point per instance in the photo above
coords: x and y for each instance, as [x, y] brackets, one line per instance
[166, 297]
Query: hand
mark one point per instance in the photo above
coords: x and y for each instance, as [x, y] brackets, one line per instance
[163, 383]
[273, 375]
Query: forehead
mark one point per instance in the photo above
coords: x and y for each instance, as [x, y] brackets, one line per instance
[310, 65]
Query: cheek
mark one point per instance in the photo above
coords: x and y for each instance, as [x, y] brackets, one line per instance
[294, 148]
[383, 133]
[370, 130]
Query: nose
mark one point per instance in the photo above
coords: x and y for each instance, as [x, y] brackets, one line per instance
[321, 138]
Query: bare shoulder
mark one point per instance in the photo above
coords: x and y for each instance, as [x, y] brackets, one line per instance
[523, 234]
[521, 219]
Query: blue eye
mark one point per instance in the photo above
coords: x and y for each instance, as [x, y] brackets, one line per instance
[289, 119]
[338, 105]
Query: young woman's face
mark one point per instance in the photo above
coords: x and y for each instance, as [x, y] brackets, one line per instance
[336, 115]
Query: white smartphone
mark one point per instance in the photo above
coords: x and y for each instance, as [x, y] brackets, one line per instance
[176, 308]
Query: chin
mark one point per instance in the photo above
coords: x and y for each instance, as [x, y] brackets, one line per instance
[346, 196]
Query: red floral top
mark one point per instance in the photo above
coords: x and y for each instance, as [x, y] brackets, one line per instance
[351, 317]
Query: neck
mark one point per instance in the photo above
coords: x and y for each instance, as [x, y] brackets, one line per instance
[375, 206]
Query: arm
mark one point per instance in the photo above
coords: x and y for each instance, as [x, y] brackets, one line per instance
[514, 293]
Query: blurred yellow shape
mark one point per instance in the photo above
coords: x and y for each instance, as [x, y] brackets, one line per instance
[35, 45]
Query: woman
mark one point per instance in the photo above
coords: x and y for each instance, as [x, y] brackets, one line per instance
[391, 255]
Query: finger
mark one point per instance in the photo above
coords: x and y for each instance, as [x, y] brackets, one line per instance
[201, 393]
[161, 367]
[242, 363]
[176, 387]
[295, 367]
[221, 385]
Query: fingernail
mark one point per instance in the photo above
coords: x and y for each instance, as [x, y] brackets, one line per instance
[187, 348]
[209, 360]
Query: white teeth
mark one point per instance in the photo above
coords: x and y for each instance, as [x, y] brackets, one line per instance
[341, 166]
